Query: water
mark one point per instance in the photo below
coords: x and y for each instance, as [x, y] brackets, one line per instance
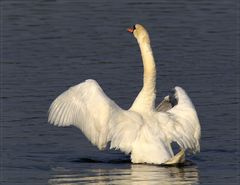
[48, 46]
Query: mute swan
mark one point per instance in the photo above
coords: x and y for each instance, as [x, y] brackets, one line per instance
[143, 131]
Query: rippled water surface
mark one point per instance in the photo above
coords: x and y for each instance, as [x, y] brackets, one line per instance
[50, 45]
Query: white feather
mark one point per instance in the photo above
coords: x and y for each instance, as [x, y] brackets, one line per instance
[141, 131]
[86, 107]
[185, 128]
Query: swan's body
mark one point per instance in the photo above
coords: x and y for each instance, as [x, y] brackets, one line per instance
[143, 131]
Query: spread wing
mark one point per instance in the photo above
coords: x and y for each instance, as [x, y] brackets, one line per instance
[183, 125]
[87, 107]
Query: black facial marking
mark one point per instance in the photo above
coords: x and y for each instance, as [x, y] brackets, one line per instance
[172, 98]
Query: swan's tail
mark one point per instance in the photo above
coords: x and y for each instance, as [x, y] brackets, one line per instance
[179, 158]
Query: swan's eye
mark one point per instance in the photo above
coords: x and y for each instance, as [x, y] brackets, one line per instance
[134, 27]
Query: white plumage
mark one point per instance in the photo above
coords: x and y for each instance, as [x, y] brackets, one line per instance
[143, 131]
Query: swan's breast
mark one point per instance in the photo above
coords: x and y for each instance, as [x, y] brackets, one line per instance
[124, 130]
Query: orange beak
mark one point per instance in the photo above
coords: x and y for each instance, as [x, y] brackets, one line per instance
[130, 30]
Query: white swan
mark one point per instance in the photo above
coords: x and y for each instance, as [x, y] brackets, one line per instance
[143, 131]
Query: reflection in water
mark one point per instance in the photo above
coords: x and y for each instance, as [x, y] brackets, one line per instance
[136, 174]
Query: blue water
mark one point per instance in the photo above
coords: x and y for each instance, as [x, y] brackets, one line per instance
[49, 45]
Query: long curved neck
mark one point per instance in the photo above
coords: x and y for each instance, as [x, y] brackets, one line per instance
[149, 68]
[145, 100]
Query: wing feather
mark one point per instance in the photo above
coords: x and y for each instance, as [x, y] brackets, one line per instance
[87, 107]
[183, 126]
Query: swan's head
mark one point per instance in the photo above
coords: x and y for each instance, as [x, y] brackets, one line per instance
[140, 33]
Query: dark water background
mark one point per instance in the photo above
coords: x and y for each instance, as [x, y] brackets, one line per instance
[50, 45]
